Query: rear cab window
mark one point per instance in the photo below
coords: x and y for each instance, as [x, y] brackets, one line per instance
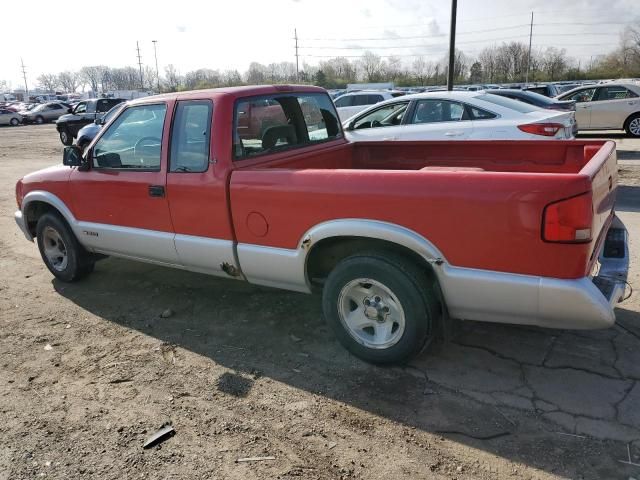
[278, 122]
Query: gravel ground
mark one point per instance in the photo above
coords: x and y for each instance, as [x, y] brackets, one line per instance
[90, 370]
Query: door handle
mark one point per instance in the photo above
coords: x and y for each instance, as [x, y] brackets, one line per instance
[156, 190]
[453, 134]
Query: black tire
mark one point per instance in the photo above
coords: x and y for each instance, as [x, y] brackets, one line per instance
[66, 138]
[78, 263]
[14, 122]
[632, 125]
[408, 283]
[39, 119]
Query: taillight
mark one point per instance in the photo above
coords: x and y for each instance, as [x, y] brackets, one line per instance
[568, 220]
[544, 129]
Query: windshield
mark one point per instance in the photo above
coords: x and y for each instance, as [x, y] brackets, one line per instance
[507, 103]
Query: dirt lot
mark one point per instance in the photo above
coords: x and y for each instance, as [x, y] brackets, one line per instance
[89, 370]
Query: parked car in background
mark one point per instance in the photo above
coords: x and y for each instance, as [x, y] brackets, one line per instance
[458, 115]
[534, 99]
[609, 106]
[87, 133]
[8, 117]
[83, 113]
[549, 90]
[46, 112]
[351, 103]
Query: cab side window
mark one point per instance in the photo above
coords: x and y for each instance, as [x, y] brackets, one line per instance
[133, 140]
[81, 108]
[190, 136]
[275, 123]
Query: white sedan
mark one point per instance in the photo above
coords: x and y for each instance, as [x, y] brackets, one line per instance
[459, 115]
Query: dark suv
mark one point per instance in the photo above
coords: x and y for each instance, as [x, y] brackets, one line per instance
[82, 114]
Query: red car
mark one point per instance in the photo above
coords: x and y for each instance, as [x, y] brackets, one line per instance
[398, 236]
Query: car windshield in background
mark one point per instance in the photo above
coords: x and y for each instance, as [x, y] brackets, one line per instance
[507, 103]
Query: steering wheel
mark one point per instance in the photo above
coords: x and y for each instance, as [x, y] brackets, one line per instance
[140, 144]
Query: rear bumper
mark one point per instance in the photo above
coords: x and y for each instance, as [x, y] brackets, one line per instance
[579, 304]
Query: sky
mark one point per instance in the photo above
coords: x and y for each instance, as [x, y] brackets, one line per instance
[224, 35]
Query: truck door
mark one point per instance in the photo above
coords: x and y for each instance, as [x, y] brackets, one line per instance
[196, 191]
[120, 200]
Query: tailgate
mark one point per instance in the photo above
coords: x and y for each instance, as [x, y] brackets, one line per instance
[602, 169]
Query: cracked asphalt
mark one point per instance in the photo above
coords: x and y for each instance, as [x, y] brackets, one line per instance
[89, 370]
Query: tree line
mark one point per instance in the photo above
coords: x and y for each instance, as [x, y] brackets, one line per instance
[505, 63]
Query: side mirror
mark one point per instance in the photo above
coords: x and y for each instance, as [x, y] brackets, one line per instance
[99, 121]
[72, 156]
[352, 125]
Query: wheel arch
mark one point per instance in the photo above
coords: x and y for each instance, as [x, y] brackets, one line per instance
[37, 203]
[330, 242]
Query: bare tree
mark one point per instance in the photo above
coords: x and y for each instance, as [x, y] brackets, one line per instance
[554, 63]
[93, 76]
[257, 74]
[172, 78]
[69, 81]
[371, 65]
[422, 70]
[48, 81]
[150, 77]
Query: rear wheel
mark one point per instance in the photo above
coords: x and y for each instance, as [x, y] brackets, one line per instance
[60, 250]
[633, 125]
[66, 138]
[14, 122]
[380, 306]
[39, 119]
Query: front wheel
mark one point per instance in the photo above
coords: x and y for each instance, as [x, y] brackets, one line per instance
[14, 122]
[39, 119]
[633, 126]
[380, 306]
[60, 250]
[66, 138]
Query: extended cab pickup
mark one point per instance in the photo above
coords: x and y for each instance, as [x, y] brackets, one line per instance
[398, 236]
[83, 114]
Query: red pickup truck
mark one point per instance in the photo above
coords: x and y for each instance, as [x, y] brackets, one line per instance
[398, 236]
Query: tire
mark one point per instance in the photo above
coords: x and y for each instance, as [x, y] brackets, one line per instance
[66, 138]
[65, 258]
[39, 119]
[632, 126]
[391, 303]
[14, 122]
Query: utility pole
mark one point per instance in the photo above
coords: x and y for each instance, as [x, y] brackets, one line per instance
[155, 53]
[452, 45]
[295, 32]
[526, 80]
[140, 65]
[24, 75]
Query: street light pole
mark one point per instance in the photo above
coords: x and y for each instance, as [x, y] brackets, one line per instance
[155, 53]
[452, 45]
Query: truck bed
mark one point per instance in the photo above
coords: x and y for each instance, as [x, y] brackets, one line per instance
[480, 156]
[480, 203]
